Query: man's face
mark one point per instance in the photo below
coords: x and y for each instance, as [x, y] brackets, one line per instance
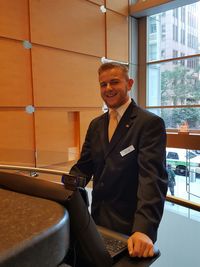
[114, 87]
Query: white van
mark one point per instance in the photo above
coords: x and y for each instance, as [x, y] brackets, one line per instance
[183, 161]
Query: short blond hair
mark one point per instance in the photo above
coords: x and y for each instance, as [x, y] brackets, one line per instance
[113, 65]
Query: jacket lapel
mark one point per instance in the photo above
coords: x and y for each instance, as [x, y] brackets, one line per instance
[103, 132]
[122, 128]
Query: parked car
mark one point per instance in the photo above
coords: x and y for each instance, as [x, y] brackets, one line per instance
[183, 161]
[197, 152]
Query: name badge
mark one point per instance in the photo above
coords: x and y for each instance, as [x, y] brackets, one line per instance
[127, 150]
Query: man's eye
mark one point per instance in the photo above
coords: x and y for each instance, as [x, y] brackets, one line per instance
[103, 84]
[114, 82]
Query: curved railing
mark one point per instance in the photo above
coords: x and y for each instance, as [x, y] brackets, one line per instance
[182, 202]
[32, 169]
[176, 200]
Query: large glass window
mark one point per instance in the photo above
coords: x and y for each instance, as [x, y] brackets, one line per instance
[173, 66]
[185, 164]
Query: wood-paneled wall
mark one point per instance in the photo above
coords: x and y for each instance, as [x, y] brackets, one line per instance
[56, 74]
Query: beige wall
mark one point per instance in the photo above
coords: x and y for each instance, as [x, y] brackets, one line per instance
[58, 75]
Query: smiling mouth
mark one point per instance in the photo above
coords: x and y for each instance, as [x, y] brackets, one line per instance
[110, 96]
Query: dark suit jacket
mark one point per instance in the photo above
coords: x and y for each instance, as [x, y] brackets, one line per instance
[129, 188]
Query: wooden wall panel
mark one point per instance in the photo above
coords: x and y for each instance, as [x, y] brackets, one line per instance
[15, 74]
[65, 79]
[16, 137]
[14, 19]
[86, 116]
[117, 36]
[76, 25]
[58, 75]
[55, 136]
[120, 6]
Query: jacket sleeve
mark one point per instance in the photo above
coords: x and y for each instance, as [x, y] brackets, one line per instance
[153, 179]
[84, 166]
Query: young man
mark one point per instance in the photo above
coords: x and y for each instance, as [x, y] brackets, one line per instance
[129, 176]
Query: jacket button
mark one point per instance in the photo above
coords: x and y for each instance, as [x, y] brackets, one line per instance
[102, 184]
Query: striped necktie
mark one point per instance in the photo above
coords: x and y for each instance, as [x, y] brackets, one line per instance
[112, 123]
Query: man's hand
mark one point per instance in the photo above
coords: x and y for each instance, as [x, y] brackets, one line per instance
[140, 245]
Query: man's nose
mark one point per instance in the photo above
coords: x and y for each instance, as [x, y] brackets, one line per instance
[108, 86]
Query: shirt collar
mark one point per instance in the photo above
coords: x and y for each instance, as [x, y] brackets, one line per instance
[122, 109]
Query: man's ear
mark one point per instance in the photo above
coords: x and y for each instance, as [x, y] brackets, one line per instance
[130, 83]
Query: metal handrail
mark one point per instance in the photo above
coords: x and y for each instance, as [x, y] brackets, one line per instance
[32, 169]
[182, 202]
[176, 200]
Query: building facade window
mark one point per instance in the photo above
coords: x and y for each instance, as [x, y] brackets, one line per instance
[183, 14]
[175, 55]
[175, 32]
[182, 62]
[175, 13]
[153, 28]
[182, 36]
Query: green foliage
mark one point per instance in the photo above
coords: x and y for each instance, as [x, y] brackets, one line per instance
[180, 86]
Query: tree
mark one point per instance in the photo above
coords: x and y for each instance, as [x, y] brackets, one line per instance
[180, 86]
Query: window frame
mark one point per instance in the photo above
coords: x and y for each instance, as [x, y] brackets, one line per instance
[174, 139]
